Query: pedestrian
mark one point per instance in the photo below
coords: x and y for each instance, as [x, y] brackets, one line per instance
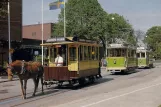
[59, 60]
[104, 62]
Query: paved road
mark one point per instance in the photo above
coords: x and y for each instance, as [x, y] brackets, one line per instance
[139, 89]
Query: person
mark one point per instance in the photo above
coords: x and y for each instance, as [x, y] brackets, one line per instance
[104, 62]
[59, 60]
[99, 71]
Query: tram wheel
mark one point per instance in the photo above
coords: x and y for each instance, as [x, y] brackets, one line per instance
[71, 82]
[92, 79]
[60, 83]
[81, 81]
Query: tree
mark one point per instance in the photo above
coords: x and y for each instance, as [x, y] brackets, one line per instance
[3, 9]
[153, 39]
[118, 27]
[83, 17]
[86, 18]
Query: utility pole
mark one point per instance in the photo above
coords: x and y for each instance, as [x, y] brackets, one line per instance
[9, 36]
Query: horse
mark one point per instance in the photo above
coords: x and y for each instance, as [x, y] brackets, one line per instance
[27, 70]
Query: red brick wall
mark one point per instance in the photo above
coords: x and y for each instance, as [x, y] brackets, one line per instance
[35, 32]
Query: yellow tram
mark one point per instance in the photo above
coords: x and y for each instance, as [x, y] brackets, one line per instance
[81, 60]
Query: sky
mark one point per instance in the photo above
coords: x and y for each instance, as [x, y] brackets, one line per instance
[142, 14]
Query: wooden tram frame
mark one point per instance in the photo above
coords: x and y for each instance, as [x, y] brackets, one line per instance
[74, 71]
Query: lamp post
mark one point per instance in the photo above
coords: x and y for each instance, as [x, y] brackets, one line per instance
[106, 37]
[112, 24]
[9, 37]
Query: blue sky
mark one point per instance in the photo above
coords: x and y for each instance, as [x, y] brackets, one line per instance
[142, 14]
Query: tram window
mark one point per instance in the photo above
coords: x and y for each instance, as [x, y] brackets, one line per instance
[143, 55]
[118, 52]
[52, 54]
[81, 53]
[132, 53]
[72, 54]
[97, 56]
[129, 53]
[123, 52]
[93, 53]
[85, 53]
[111, 53]
[89, 52]
[138, 55]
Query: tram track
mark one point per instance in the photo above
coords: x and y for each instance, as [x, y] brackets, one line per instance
[39, 98]
[48, 92]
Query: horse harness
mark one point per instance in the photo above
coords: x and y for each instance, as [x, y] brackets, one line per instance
[23, 69]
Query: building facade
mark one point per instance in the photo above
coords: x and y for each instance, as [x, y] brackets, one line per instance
[15, 27]
[32, 38]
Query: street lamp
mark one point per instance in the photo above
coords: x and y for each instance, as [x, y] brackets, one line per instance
[113, 18]
[106, 37]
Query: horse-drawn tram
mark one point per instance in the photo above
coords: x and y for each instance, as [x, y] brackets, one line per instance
[121, 58]
[143, 58]
[80, 60]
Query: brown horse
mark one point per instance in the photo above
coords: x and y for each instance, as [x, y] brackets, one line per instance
[26, 70]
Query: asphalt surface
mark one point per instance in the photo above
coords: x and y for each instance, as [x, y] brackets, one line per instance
[138, 89]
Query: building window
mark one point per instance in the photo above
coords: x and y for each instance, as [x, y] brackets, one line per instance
[33, 33]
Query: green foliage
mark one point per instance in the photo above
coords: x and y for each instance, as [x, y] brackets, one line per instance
[153, 39]
[86, 18]
[3, 10]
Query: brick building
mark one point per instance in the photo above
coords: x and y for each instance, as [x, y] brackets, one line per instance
[32, 38]
[15, 27]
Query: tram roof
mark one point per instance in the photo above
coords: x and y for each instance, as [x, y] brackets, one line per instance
[69, 40]
[120, 46]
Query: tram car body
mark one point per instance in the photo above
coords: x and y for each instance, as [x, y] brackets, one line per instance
[81, 60]
[121, 58]
[144, 60]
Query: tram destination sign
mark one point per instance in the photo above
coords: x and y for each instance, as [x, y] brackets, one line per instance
[56, 39]
[88, 41]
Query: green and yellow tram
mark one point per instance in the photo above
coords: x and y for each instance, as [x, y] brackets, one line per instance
[143, 58]
[81, 60]
[121, 58]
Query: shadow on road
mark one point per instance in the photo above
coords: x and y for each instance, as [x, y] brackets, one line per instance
[85, 85]
[65, 88]
[125, 73]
